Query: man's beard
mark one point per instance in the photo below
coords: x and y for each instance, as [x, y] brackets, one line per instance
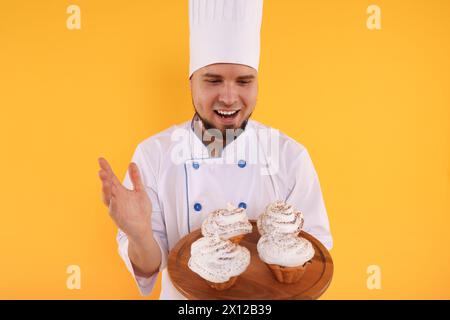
[208, 125]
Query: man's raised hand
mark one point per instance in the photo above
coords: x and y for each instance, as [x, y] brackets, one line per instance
[129, 209]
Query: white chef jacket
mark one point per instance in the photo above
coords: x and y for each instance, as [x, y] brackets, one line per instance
[184, 184]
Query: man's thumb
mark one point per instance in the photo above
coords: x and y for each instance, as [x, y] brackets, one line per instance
[135, 177]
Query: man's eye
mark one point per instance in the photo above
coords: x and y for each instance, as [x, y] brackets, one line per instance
[244, 82]
[213, 81]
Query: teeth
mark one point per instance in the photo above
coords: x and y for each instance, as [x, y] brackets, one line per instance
[226, 113]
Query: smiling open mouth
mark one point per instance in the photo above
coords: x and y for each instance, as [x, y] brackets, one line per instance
[227, 114]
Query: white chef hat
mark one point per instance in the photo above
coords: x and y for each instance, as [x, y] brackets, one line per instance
[224, 31]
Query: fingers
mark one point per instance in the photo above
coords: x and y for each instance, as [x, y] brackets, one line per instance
[106, 186]
[115, 183]
[102, 174]
[135, 176]
[106, 194]
[111, 184]
[105, 165]
[106, 175]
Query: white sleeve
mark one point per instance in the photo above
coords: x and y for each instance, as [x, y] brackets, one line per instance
[146, 285]
[306, 195]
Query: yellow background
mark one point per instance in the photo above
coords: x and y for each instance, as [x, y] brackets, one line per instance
[372, 107]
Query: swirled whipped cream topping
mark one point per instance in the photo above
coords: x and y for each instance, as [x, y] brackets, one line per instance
[226, 223]
[218, 260]
[280, 217]
[285, 250]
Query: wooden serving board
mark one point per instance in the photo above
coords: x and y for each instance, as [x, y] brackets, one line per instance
[257, 282]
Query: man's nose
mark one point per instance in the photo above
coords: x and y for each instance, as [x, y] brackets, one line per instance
[228, 94]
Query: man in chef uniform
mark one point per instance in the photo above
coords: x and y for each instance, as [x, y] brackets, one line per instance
[176, 178]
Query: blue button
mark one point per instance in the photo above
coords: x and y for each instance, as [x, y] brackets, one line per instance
[197, 207]
[243, 205]
[242, 163]
[196, 165]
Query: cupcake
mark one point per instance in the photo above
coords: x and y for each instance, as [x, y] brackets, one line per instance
[280, 217]
[229, 224]
[287, 256]
[218, 261]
